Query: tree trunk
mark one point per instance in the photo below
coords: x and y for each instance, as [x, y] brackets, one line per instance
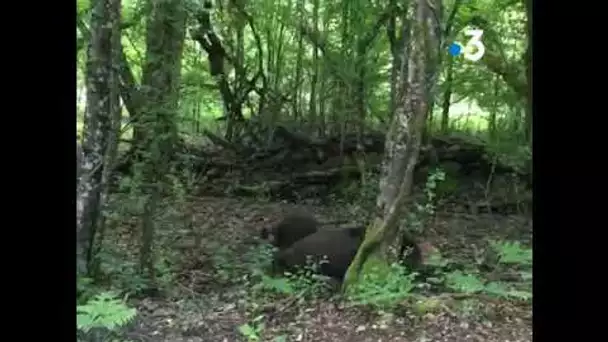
[313, 125]
[435, 36]
[391, 33]
[402, 143]
[111, 152]
[79, 157]
[492, 129]
[359, 91]
[447, 96]
[299, 60]
[529, 72]
[160, 78]
[101, 80]
[81, 251]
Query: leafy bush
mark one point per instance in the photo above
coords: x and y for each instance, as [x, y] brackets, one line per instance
[305, 282]
[512, 253]
[470, 283]
[383, 287]
[103, 316]
[252, 331]
[466, 283]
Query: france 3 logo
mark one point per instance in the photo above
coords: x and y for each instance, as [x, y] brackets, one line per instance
[473, 50]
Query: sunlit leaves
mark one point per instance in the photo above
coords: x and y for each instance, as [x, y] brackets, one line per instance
[341, 26]
[82, 5]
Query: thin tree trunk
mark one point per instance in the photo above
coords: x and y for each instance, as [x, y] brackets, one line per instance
[435, 36]
[492, 119]
[299, 60]
[392, 38]
[402, 144]
[395, 172]
[101, 101]
[315, 73]
[323, 102]
[447, 96]
[529, 107]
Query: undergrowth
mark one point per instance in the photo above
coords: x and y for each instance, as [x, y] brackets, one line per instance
[102, 317]
[103, 310]
[386, 287]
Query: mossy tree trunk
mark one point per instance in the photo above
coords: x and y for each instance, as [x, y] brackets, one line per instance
[102, 104]
[402, 142]
[165, 34]
[529, 113]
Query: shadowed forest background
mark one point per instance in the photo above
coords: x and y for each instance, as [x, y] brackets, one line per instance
[207, 131]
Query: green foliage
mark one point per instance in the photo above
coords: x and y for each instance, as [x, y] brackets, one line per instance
[505, 291]
[448, 187]
[121, 271]
[435, 178]
[105, 312]
[246, 269]
[417, 217]
[470, 308]
[252, 331]
[341, 30]
[477, 95]
[461, 282]
[511, 152]
[230, 268]
[470, 283]
[259, 258]
[82, 5]
[382, 287]
[304, 283]
[226, 269]
[85, 289]
[307, 283]
[512, 253]
[425, 305]
[355, 193]
[280, 338]
[118, 264]
[280, 285]
[251, 270]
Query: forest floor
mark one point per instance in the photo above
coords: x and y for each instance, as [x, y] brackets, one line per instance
[204, 305]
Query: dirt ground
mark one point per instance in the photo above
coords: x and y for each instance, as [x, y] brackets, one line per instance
[198, 309]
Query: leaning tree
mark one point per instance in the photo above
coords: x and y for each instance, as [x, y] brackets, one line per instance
[404, 136]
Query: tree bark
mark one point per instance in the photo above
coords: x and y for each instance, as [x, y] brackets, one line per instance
[101, 79]
[166, 29]
[113, 133]
[529, 107]
[447, 96]
[402, 143]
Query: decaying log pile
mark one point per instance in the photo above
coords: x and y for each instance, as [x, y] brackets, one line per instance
[290, 165]
[288, 162]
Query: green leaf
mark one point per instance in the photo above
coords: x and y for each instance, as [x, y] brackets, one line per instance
[281, 285]
[512, 253]
[249, 332]
[103, 311]
[82, 5]
[466, 283]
